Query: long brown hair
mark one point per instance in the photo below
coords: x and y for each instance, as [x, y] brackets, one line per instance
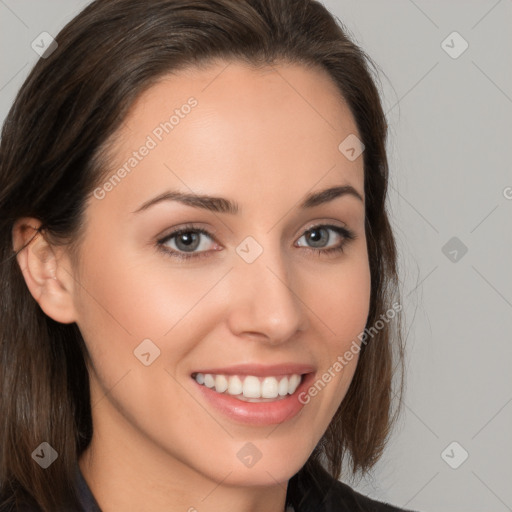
[51, 161]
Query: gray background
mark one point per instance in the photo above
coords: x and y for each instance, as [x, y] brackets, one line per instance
[450, 121]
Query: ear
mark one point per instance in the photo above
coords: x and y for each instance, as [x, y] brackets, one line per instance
[46, 269]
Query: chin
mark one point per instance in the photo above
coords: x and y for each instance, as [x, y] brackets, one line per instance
[270, 471]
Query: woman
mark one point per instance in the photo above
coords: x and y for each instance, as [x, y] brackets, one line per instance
[200, 305]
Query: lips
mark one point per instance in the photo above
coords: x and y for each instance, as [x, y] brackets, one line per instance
[256, 412]
[259, 413]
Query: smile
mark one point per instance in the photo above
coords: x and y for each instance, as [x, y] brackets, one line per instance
[250, 387]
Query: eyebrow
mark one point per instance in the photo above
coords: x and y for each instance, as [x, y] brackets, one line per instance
[222, 205]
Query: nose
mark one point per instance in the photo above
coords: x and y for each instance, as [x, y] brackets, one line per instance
[263, 302]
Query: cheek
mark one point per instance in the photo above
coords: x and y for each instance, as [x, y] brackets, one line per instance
[343, 301]
[343, 306]
[135, 297]
[353, 307]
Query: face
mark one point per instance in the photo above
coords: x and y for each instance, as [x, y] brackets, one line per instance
[279, 285]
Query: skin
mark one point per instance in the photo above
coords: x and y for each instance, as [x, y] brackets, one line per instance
[264, 138]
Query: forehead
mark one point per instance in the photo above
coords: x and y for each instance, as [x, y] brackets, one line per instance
[232, 128]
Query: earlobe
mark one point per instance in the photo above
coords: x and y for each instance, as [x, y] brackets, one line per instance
[45, 269]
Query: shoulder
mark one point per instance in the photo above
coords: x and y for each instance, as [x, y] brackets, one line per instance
[349, 499]
[313, 489]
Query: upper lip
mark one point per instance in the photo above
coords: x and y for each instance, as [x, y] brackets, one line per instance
[260, 370]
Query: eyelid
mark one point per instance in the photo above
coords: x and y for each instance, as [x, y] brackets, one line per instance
[210, 231]
[325, 223]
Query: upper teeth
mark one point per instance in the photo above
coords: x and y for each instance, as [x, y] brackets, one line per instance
[252, 387]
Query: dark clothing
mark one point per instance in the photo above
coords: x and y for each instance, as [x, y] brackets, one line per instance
[86, 498]
[308, 491]
[314, 490]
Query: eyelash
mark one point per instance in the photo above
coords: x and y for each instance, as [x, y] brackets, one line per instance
[345, 233]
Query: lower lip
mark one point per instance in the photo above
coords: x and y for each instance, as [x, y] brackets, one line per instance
[258, 413]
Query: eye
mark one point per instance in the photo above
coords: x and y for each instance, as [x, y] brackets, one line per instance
[320, 235]
[185, 242]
